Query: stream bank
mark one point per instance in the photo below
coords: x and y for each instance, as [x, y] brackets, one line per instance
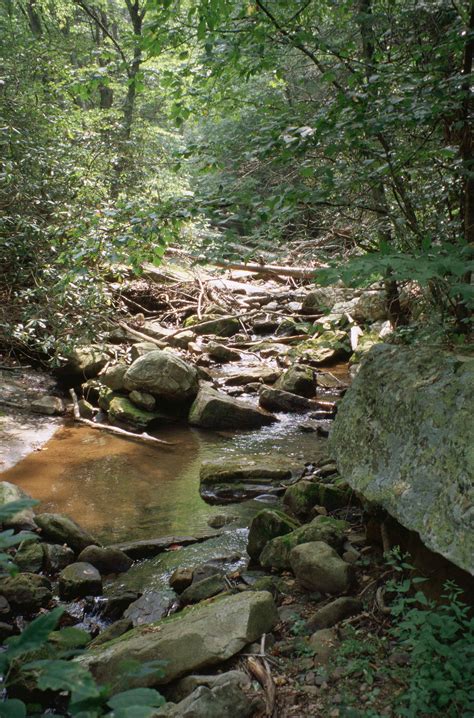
[271, 491]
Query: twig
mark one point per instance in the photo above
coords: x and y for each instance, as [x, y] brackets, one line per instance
[146, 438]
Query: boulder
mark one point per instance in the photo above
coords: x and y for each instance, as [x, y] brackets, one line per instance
[141, 348]
[267, 525]
[49, 405]
[328, 347]
[23, 520]
[164, 375]
[57, 557]
[196, 638]
[116, 630]
[26, 592]
[113, 376]
[222, 700]
[148, 608]
[214, 410]
[300, 498]
[324, 298]
[61, 529]
[142, 400]
[220, 326]
[318, 567]
[323, 643]
[278, 400]
[333, 612]
[403, 439]
[276, 553]
[188, 684]
[86, 409]
[298, 379]
[78, 580]
[30, 557]
[83, 363]
[122, 410]
[245, 469]
[106, 560]
[117, 603]
[369, 306]
[251, 374]
[221, 353]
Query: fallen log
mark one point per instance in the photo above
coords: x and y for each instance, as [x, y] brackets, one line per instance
[295, 272]
[141, 336]
[145, 438]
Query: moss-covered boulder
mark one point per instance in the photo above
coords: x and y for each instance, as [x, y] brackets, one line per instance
[298, 379]
[318, 567]
[30, 557]
[26, 592]
[113, 376]
[63, 530]
[22, 520]
[404, 439]
[164, 375]
[324, 349]
[123, 410]
[276, 553]
[78, 580]
[196, 638]
[300, 498]
[267, 525]
[215, 410]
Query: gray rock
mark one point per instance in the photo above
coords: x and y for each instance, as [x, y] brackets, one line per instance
[221, 353]
[267, 525]
[86, 409]
[279, 400]
[23, 520]
[324, 298]
[106, 560]
[215, 410]
[113, 377]
[147, 548]
[164, 375]
[333, 612]
[57, 557]
[183, 339]
[187, 685]
[200, 590]
[83, 363]
[49, 405]
[403, 439]
[117, 603]
[251, 374]
[61, 529]
[220, 326]
[242, 469]
[141, 348]
[302, 497]
[324, 644]
[196, 638]
[142, 400]
[227, 700]
[26, 592]
[276, 553]
[318, 567]
[78, 580]
[149, 608]
[298, 379]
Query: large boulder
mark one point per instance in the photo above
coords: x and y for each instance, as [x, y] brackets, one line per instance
[298, 379]
[164, 375]
[194, 639]
[265, 526]
[276, 553]
[61, 529]
[22, 520]
[404, 437]
[215, 410]
[318, 567]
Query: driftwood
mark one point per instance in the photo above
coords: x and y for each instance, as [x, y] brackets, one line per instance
[140, 335]
[260, 669]
[146, 438]
[295, 272]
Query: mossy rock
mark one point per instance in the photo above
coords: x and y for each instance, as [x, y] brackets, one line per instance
[327, 347]
[265, 526]
[303, 496]
[276, 553]
[123, 410]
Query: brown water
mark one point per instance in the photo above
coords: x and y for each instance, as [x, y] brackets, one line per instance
[122, 489]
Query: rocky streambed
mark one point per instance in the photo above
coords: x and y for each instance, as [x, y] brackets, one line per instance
[234, 552]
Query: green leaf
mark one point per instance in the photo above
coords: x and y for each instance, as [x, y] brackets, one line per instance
[12, 709]
[14, 507]
[136, 697]
[35, 635]
[63, 676]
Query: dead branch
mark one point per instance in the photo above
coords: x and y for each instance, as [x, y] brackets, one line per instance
[295, 272]
[146, 438]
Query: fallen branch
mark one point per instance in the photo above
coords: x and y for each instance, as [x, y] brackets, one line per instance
[259, 668]
[140, 335]
[146, 438]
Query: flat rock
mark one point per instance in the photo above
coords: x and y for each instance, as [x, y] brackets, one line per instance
[200, 590]
[242, 469]
[215, 410]
[61, 529]
[403, 439]
[279, 400]
[106, 560]
[149, 608]
[191, 640]
[251, 374]
[147, 548]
